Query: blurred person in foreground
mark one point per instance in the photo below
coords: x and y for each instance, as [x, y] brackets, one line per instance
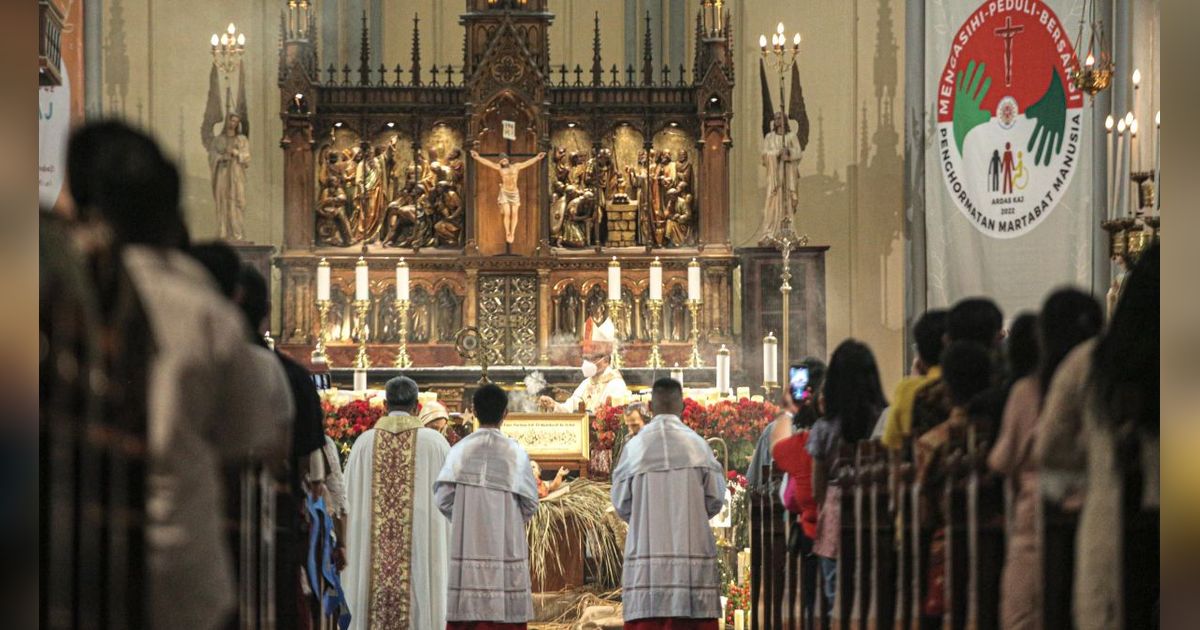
[1069, 317]
[670, 575]
[212, 396]
[1099, 439]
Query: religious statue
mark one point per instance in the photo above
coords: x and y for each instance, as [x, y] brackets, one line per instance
[598, 179]
[419, 316]
[228, 158]
[449, 315]
[332, 203]
[559, 185]
[401, 213]
[781, 151]
[568, 312]
[679, 221]
[372, 169]
[781, 154]
[509, 198]
[638, 177]
[577, 224]
[449, 210]
[678, 314]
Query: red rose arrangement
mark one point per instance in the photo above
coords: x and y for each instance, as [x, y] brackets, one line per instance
[738, 597]
[606, 423]
[349, 420]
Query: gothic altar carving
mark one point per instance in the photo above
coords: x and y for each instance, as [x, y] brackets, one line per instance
[377, 165]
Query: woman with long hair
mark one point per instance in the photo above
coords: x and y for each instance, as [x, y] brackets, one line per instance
[1099, 424]
[851, 401]
[1069, 317]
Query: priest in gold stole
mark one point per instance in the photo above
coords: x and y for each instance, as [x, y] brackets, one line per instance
[398, 548]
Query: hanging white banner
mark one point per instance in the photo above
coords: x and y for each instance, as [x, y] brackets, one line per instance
[1008, 174]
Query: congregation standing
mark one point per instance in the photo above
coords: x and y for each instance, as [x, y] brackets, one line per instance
[425, 535]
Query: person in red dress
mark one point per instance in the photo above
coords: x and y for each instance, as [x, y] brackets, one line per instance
[791, 456]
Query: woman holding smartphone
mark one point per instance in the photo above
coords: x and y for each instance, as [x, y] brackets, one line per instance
[791, 455]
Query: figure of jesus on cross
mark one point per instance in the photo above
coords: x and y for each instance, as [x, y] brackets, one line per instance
[510, 195]
[1008, 32]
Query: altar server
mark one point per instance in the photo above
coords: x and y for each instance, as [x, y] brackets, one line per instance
[601, 381]
[396, 572]
[487, 490]
[667, 486]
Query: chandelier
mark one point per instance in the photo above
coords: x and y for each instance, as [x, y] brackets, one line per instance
[1095, 73]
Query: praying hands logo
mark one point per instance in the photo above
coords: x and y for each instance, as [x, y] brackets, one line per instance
[1008, 122]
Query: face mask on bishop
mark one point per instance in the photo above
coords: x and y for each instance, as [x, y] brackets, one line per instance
[589, 368]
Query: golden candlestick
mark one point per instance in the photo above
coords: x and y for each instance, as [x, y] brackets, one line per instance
[403, 361]
[362, 361]
[614, 313]
[695, 360]
[318, 354]
[655, 360]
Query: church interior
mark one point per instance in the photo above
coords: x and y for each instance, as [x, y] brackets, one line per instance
[884, 273]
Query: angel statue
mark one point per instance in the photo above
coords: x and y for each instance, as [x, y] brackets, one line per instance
[228, 153]
[228, 158]
[782, 150]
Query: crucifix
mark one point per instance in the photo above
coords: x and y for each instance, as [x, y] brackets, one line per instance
[1008, 32]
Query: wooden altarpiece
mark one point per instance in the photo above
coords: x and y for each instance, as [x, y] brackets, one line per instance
[376, 164]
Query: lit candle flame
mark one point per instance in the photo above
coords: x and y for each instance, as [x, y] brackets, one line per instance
[1128, 118]
[231, 29]
[1090, 61]
[241, 39]
[796, 40]
[1137, 77]
[1108, 123]
[762, 41]
[1156, 119]
[1121, 126]
[215, 40]
[1133, 128]
[779, 28]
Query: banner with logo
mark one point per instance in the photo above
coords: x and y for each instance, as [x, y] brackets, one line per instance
[1007, 156]
[60, 108]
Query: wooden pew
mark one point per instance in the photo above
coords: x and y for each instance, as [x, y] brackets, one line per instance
[768, 553]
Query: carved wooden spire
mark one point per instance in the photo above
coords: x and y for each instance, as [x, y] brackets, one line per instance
[647, 55]
[597, 69]
[364, 54]
[697, 47]
[415, 71]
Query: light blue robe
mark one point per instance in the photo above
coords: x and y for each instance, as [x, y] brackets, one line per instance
[487, 490]
[667, 486]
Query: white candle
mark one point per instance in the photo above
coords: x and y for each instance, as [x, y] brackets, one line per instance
[402, 280]
[723, 370]
[656, 284]
[770, 360]
[694, 281]
[1118, 170]
[360, 381]
[677, 374]
[362, 290]
[323, 280]
[1157, 160]
[614, 280]
[739, 620]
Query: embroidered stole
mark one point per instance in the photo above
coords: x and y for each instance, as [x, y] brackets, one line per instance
[593, 394]
[392, 484]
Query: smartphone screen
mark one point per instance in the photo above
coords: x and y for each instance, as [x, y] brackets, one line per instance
[798, 381]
